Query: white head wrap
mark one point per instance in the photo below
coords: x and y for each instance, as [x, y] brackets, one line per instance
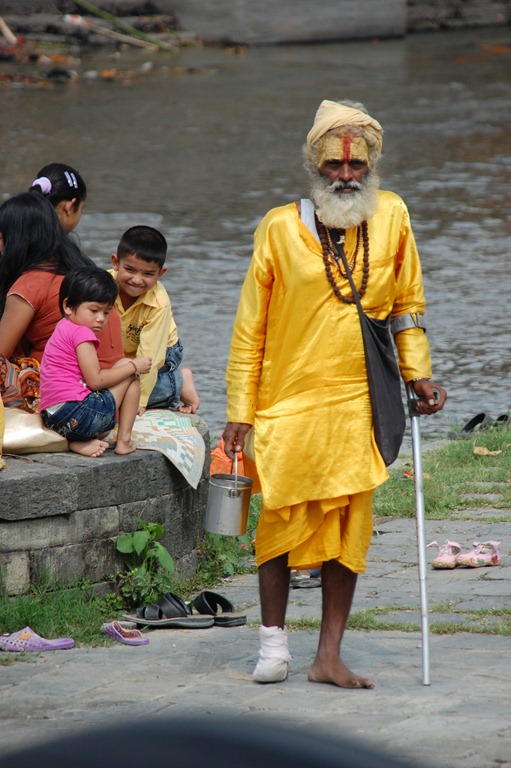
[332, 115]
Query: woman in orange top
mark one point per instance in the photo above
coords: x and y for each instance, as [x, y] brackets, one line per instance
[36, 253]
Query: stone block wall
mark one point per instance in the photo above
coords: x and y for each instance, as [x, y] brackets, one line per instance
[288, 21]
[267, 21]
[62, 513]
[432, 15]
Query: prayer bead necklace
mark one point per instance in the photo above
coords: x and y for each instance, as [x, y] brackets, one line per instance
[332, 250]
[329, 251]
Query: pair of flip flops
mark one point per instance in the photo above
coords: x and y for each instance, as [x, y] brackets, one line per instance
[172, 612]
[169, 611]
[27, 640]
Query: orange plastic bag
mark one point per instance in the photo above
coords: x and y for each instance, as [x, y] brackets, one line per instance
[221, 464]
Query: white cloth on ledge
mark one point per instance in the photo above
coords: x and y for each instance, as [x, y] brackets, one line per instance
[172, 434]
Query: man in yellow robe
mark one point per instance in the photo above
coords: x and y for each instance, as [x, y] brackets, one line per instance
[297, 374]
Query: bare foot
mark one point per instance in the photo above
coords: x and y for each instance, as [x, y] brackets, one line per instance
[189, 395]
[122, 447]
[188, 406]
[338, 674]
[90, 448]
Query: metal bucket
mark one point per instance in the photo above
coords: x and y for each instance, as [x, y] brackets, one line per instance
[228, 503]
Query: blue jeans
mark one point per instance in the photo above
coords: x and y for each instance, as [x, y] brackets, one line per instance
[85, 419]
[167, 390]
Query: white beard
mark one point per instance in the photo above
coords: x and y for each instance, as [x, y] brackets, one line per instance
[339, 211]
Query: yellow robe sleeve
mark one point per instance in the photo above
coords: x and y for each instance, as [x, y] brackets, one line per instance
[412, 344]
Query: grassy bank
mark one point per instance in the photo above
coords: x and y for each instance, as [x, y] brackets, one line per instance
[461, 479]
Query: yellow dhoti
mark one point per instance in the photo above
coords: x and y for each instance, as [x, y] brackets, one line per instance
[314, 532]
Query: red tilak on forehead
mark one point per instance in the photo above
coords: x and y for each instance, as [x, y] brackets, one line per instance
[346, 148]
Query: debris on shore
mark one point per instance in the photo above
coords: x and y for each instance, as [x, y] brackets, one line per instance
[46, 51]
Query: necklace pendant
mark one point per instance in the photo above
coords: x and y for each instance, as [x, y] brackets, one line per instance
[341, 239]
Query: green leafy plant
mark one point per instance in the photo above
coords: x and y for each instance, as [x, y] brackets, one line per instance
[148, 576]
[145, 547]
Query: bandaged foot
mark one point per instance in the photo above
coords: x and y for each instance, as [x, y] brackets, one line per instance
[274, 656]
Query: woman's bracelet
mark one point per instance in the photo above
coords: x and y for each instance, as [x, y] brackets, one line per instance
[135, 367]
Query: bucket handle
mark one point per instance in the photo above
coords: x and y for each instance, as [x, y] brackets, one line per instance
[235, 473]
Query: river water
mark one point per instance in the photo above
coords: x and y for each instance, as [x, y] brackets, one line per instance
[202, 144]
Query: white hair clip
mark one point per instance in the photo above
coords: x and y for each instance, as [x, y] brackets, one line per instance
[44, 183]
[71, 179]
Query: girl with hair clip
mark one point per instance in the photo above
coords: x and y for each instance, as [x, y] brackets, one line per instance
[65, 188]
[66, 191]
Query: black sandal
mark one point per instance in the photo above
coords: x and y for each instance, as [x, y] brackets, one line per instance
[169, 611]
[207, 603]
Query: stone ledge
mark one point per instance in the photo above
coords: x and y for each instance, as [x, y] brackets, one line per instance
[234, 22]
[242, 21]
[62, 513]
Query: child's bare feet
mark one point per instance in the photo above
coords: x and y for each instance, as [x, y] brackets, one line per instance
[185, 409]
[90, 448]
[189, 395]
[122, 447]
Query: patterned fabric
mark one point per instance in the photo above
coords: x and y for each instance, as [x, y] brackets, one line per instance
[173, 435]
[19, 383]
[2, 430]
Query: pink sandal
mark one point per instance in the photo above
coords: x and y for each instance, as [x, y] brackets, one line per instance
[122, 634]
[482, 554]
[447, 554]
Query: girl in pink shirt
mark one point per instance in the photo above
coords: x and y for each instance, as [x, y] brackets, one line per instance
[79, 399]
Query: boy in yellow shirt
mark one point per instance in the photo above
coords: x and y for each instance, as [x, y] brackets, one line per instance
[148, 326]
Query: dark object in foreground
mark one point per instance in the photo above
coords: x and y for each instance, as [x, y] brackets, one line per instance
[222, 741]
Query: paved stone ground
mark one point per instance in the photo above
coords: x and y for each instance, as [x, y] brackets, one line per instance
[461, 720]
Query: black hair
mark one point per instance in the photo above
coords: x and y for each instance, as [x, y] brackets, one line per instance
[33, 239]
[57, 182]
[87, 284]
[144, 242]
